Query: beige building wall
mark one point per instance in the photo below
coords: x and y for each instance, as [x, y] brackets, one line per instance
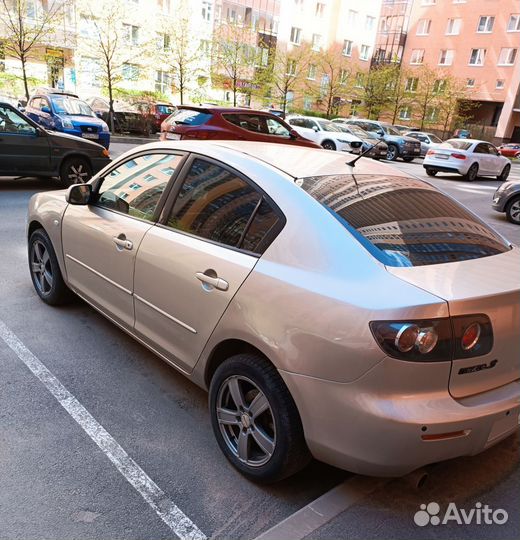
[463, 27]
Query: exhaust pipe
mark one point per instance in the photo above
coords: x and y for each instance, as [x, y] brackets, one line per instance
[417, 479]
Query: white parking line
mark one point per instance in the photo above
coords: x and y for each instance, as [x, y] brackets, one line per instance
[166, 509]
[322, 510]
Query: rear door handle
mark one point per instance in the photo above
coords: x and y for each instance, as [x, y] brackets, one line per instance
[218, 283]
[121, 242]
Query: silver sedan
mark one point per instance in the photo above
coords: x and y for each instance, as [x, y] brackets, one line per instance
[338, 310]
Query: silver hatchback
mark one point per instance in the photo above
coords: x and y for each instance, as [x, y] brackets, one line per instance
[350, 313]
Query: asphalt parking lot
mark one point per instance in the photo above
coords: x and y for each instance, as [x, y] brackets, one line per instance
[57, 483]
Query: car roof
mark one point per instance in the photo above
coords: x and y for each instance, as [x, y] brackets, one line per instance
[471, 141]
[295, 161]
[221, 109]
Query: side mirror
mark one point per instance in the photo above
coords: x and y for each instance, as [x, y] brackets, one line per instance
[79, 194]
[99, 114]
[293, 134]
[315, 128]
[21, 109]
[46, 109]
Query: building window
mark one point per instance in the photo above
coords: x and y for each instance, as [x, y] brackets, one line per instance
[411, 84]
[360, 80]
[405, 113]
[514, 23]
[205, 46]
[291, 67]
[130, 72]
[477, 57]
[307, 103]
[453, 27]
[439, 86]
[88, 26]
[446, 57]
[459, 1]
[364, 52]
[347, 47]
[206, 11]
[369, 23]
[423, 27]
[163, 42]
[163, 82]
[500, 84]
[485, 24]
[507, 57]
[470, 83]
[417, 56]
[131, 34]
[316, 42]
[352, 17]
[296, 35]
[343, 76]
[320, 9]
[164, 6]
[312, 72]
[428, 2]
[90, 71]
[432, 114]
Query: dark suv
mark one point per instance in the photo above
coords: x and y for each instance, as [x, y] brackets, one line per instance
[399, 145]
[230, 124]
[27, 149]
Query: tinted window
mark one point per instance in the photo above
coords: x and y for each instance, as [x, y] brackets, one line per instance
[481, 149]
[12, 122]
[402, 221]
[259, 232]
[135, 187]
[189, 117]
[250, 122]
[214, 203]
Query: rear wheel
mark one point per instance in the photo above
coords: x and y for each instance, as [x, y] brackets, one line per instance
[255, 420]
[328, 145]
[75, 170]
[408, 159]
[472, 173]
[45, 270]
[392, 153]
[505, 173]
[513, 210]
[431, 172]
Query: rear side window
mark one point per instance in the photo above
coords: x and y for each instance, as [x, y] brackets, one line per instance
[217, 205]
[165, 109]
[402, 221]
[190, 117]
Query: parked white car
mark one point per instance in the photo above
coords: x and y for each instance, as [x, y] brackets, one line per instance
[468, 157]
[325, 133]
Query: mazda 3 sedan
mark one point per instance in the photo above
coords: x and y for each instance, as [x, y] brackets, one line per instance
[345, 312]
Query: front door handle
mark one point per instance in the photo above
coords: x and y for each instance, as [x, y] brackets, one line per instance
[122, 243]
[209, 279]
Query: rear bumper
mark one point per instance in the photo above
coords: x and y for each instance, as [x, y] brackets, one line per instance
[444, 168]
[366, 428]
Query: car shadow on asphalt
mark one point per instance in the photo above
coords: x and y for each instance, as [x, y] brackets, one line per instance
[25, 183]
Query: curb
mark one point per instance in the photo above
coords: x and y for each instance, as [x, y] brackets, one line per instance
[132, 140]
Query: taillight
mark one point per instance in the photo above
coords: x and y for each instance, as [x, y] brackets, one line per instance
[435, 340]
[424, 340]
[458, 156]
[430, 152]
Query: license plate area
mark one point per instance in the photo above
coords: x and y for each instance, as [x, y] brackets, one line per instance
[90, 135]
[442, 156]
[173, 136]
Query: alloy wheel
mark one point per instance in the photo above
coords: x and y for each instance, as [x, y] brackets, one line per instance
[41, 268]
[246, 421]
[514, 211]
[391, 153]
[77, 173]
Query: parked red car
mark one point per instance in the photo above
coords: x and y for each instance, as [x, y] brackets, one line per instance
[510, 150]
[230, 124]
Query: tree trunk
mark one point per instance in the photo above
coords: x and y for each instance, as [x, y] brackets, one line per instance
[24, 75]
[110, 102]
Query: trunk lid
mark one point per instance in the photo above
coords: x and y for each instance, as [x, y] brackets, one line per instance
[489, 286]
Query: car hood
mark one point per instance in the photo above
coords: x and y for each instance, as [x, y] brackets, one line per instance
[72, 141]
[490, 286]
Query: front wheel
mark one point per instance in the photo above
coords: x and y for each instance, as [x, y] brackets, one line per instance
[328, 145]
[392, 153]
[45, 270]
[472, 172]
[75, 170]
[513, 210]
[408, 159]
[255, 420]
[504, 174]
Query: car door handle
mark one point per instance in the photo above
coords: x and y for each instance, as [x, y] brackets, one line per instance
[214, 281]
[121, 242]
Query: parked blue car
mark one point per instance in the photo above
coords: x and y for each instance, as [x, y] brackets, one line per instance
[61, 111]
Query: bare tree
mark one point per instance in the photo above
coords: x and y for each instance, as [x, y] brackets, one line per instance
[401, 92]
[427, 95]
[454, 104]
[25, 34]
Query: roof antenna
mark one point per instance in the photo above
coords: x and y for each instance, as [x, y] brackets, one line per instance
[353, 162]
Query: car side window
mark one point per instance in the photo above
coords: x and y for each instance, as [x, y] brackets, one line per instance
[11, 122]
[35, 103]
[250, 122]
[481, 149]
[298, 122]
[135, 187]
[275, 127]
[492, 150]
[216, 204]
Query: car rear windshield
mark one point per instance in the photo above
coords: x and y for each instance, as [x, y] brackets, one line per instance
[189, 117]
[456, 143]
[165, 109]
[403, 221]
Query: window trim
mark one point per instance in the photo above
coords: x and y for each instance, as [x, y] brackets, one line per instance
[168, 205]
[98, 182]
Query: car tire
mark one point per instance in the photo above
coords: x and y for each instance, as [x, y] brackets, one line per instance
[513, 210]
[408, 159]
[75, 170]
[265, 447]
[392, 152]
[472, 173]
[45, 270]
[505, 173]
[328, 145]
[431, 172]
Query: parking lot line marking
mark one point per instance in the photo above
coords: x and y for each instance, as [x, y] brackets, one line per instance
[166, 509]
[323, 509]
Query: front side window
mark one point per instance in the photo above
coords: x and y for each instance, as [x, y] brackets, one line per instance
[275, 127]
[402, 221]
[216, 204]
[135, 187]
[12, 123]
